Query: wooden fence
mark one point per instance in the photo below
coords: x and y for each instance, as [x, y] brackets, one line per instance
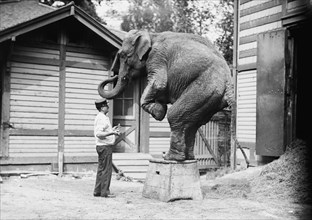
[212, 144]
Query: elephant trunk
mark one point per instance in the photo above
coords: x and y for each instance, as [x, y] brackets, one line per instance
[116, 90]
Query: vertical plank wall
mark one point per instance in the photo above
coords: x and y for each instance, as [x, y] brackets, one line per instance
[33, 101]
[254, 17]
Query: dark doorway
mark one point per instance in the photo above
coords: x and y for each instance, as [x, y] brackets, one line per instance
[303, 71]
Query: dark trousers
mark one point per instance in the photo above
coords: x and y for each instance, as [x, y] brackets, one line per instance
[104, 172]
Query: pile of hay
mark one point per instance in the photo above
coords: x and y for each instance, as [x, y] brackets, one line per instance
[288, 177]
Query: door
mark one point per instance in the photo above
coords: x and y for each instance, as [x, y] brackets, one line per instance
[126, 112]
[271, 93]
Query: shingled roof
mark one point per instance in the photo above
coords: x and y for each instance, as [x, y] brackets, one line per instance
[21, 16]
[13, 12]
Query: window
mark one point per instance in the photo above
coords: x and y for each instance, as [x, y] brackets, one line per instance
[123, 104]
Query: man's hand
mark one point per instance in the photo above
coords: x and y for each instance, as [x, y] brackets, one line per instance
[116, 130]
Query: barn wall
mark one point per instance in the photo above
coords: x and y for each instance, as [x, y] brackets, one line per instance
[33, 101]
[84, 70]
[52, 88]
[254, 17]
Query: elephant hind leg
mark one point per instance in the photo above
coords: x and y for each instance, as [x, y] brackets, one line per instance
[190, 136]
[194, 108]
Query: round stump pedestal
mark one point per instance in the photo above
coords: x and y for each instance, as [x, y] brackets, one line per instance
[172, 180]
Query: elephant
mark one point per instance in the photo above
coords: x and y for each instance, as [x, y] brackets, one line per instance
[182, 69]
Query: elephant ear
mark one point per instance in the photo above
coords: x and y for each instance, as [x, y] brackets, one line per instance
[142, 43]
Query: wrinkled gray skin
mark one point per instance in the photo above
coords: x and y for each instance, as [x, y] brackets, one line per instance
[182, 69]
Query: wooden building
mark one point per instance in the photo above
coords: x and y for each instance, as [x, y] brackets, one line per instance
[52, 61]
[272, 40]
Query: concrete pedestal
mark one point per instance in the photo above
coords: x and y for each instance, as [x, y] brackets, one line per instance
[172, 180]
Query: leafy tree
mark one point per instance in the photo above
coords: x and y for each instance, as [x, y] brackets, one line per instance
[86, 5]
[150, 15]
[225, 40]
[189, 16]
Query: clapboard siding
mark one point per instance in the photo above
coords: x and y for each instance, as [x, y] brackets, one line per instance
[246, 106]
[33, 100]
[255, 17]
[159, 144]
[32, 146]
[295, 4]
[29, 82]
[84, 71]
[82, 146]
[256, 6]
[80, 93]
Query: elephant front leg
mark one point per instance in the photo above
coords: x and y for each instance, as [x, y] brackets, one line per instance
[177, 146]
[149, 103]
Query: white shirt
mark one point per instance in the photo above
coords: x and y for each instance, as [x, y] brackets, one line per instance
[102, 123]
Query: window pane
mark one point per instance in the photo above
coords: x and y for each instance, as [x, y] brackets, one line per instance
[128, 93]
[128, 107]
[117, 107]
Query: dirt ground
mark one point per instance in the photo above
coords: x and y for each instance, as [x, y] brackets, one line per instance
[70, 197]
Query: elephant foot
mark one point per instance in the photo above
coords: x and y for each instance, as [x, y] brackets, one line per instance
[158, 111]
[190, 155]
[174, 156]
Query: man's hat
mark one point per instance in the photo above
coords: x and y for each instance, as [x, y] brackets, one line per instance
[101, 101]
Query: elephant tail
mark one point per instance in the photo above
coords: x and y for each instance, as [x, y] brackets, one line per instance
[229, 93]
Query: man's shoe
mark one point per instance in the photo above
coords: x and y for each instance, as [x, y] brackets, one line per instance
[96, 194]
[109, 196]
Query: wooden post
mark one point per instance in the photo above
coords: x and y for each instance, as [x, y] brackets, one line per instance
[61, 118]
[144, 123]
[234, 73]
[5, 69]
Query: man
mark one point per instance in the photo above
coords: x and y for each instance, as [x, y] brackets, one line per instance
[105, 140]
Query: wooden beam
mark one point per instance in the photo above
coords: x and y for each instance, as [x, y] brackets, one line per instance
[33, 132]
[124, 135]
[61, 119]
[144, 123]
[27, 160]
[136, 100]
[234, 75]
[164, 134]
[5, 108]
